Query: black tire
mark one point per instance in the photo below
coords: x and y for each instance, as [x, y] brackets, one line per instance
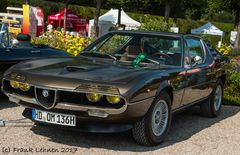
[208, 108]
[143, 130]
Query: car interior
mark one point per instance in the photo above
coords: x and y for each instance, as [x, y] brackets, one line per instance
[164, 52]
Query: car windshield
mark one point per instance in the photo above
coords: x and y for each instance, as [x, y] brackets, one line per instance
[137, 47]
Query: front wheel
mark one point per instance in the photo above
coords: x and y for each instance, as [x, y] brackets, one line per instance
[213, 106]
[153, 127]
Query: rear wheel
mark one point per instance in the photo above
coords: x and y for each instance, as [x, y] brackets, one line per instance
[153, 128]
[212, 107]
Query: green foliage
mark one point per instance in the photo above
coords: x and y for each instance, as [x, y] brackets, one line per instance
[232, 90]
[3, 5]
[153, 24]
[15, 3]
[186, 25]
[68, 43]
[223, 16]
[86, 12]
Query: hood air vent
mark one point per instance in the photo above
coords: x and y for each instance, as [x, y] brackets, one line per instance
[75, 68]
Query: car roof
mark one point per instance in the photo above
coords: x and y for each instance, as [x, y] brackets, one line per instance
[170, 34]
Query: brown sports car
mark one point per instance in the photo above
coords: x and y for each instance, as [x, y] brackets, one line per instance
[124, 80]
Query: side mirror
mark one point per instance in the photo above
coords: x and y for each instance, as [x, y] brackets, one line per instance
[23, 37]
[15, 43]
[197, 60]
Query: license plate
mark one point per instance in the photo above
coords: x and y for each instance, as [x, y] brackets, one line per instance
[53, 118]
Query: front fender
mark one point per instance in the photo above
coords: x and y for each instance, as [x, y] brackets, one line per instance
[146, 91]
[164, 84]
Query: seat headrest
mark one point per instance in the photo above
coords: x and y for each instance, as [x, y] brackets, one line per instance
[133, 50]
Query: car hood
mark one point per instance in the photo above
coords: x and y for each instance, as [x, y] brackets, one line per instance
[87, 69]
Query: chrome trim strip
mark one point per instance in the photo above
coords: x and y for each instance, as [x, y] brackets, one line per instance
[144, 100]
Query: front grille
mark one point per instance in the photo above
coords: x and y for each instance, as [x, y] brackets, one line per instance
[81, 99]
[46, 98]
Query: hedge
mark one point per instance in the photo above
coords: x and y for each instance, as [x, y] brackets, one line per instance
[155, 23]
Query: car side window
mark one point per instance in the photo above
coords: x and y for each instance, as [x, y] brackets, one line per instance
[195, 51]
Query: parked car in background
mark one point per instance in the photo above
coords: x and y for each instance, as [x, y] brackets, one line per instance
[22, 50]
[124, 80]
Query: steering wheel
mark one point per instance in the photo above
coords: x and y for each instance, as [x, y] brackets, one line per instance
[161, 54]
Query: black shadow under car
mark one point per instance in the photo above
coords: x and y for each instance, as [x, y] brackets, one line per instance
[124, 80]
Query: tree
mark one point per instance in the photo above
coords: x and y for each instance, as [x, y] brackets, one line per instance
[230, 6]
[3, 5]
[237, 28]
[235, 5]
[168, 5]
[97, 14]
[179, 8]
[167, 11]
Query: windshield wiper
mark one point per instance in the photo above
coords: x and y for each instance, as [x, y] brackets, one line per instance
[99, 54]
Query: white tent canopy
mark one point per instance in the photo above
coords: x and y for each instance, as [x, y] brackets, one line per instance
[208, 28]
[110, 19]
[112, 16]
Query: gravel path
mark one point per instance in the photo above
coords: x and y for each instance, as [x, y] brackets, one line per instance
[190, 134]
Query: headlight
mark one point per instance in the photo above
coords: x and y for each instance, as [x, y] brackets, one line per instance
[93, 97]
[15, 84]
[113, 99]
[24, 86]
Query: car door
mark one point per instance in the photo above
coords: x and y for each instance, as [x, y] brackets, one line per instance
[198, 71]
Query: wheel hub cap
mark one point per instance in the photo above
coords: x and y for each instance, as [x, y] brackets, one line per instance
[160, 118]
[218, 98]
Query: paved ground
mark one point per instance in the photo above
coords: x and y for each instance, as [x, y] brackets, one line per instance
[190, 134]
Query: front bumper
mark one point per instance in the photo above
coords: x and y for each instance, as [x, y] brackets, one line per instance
[83, 126]
[129, 113]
